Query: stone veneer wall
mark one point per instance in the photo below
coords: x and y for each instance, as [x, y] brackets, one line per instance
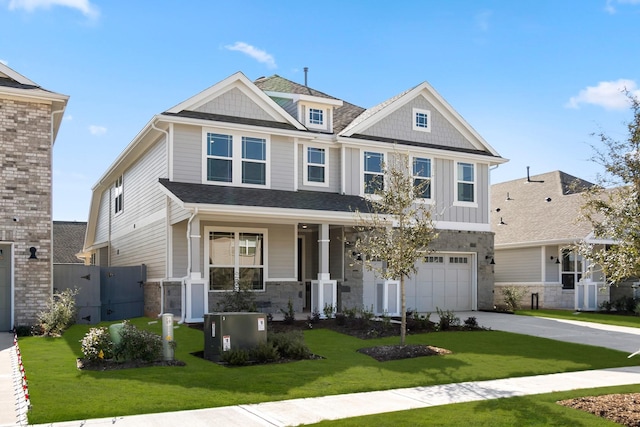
[448, 241]
[276, 297]
[25, 194]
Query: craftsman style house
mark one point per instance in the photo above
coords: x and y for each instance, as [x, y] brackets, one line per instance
[255, 183]
[536, 223]
[30, 117]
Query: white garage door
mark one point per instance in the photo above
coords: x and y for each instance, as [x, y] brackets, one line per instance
[443, 281]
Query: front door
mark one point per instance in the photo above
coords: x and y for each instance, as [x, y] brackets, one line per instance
[5, 288]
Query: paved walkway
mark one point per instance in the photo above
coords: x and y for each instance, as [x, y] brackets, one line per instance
[311, 410]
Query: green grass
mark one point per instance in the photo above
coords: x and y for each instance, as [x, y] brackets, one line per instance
[60, 392]
[536, 410]
[586, 316]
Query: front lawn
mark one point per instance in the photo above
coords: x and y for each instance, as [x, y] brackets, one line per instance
[586, 316]
[535, 410]
[59, 391]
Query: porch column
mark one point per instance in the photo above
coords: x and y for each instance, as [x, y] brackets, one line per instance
[323, 252]
[194, 241]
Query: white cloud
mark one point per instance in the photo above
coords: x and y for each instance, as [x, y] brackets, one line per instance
[609, 95]
[84, 6]
[482, 20]
[97, 130]
[257, 54]
[611, 8]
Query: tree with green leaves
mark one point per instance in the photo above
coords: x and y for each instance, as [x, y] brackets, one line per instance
[398, 229]
[613, 206]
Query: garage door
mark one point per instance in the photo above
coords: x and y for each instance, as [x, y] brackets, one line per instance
[443, 281]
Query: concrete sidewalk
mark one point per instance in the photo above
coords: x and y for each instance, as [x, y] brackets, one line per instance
[311, 410]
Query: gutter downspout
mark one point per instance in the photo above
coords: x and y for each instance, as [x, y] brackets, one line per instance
[183, 305]
[166, 250]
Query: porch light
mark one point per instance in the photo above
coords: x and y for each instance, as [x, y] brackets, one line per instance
[492, 262]
[556, 258]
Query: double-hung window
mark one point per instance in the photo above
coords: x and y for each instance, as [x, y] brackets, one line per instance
[422, 177]
[373, 172]
[219, 157]
[315, 162]
[118, 196]
[465, 183]
[236, 260]
[254, 160]
[236, 159]
[571, 268]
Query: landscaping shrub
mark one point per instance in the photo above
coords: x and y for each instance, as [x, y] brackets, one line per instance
[471, 323]
[138, 344]
[265, 353]
[237, 357]
[289, 313]
[97, 344]
[328, 311]
[290, 345]
[59, 314]
[341, 319]
[241, 300]
[606, 306]
[512, 296]
[448, 319]
[367, 313]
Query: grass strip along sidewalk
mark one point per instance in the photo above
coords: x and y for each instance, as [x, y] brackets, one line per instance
[60, 392]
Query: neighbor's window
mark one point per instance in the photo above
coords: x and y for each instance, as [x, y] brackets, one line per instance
[422, 177]
[236, 260]
[316, 166]
[466, 182]
[421, 120]
[373, 172]
[571, 268]
[118, 195]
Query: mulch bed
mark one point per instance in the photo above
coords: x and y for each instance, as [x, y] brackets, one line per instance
[623, 409]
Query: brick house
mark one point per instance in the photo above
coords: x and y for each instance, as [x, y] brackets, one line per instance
[30, 117]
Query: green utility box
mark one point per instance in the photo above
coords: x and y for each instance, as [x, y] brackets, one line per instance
[232, 331]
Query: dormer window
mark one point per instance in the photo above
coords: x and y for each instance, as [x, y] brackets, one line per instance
[421, 120]
[316, 116]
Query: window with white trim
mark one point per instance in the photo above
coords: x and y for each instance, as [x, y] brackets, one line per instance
[236, 260]
[118, 195]
[236, 159]
[572, 268]
[316, 163]
[373, 172]
[316, 116]
[466, 183]
[422, 177]
[421, 120]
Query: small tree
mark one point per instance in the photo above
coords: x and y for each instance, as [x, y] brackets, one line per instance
[397, 230]
[613, 207]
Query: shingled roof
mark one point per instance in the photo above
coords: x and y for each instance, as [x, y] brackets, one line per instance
[538, 210]
[68, 240]
[190, 193]
[342, 116]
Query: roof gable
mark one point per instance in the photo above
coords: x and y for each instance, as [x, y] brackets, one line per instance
[236, 88]
[10, 74]
[372, 121]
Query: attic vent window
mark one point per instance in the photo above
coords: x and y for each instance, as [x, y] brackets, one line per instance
[316, 116]
[421, 120]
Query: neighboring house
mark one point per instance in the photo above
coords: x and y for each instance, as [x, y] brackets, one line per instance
[255, 183]
[68, 240]
[535, 220]
[30, 117]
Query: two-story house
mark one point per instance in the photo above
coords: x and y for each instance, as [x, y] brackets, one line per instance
[255, 184]
[30, 117]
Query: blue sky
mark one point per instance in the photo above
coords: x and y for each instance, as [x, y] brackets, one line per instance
[535, 79]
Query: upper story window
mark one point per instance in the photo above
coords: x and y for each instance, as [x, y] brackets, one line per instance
[118, 195]
[422, 177]
[315, 164]
[373, 172]
[236, 159]
[316, 116]
[465, 184]
[421, 120]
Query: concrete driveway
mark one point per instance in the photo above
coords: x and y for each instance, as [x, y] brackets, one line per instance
[614, 337]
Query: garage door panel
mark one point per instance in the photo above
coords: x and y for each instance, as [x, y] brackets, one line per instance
[445, 285]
